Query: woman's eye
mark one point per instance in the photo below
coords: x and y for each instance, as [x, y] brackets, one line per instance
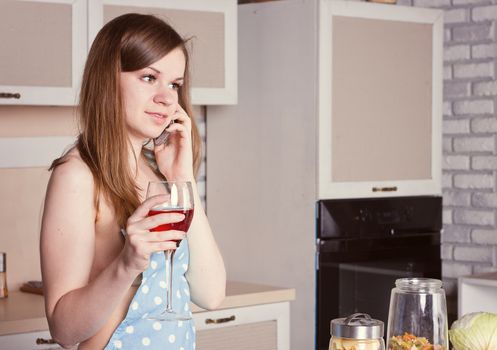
[174, 86]
[149, 78]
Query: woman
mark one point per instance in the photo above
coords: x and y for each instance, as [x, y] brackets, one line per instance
[135, 85]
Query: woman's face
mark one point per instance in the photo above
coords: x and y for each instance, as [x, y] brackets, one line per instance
[151, 95]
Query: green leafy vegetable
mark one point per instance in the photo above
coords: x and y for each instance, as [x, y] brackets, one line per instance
[474, 331]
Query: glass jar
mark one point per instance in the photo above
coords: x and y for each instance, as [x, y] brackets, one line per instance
[356, 332]
[417, 318]
[4, 293]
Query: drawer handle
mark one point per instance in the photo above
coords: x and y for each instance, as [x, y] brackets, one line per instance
[220, 320]
[10, 95]
[385, 189]
[40, 341]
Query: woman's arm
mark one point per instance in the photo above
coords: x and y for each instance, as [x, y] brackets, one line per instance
[206, 273]
[76, 308]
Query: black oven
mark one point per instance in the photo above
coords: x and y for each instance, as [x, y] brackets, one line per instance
[364, 245]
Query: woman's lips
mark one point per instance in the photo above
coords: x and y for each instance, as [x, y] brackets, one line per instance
[158, 116]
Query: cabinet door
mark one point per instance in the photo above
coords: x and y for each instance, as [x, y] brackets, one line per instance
[262, 327]
[211, 25]
[380, 100]
[43, 51]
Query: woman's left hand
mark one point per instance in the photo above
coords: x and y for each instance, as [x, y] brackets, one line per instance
[175, 157]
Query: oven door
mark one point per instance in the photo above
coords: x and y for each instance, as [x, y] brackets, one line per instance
[358, 275]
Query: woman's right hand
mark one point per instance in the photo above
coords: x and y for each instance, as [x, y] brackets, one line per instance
[141, 242]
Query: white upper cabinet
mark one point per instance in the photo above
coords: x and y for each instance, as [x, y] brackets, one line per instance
[212, 28]
[45, 44]
[43, 47]
[380, 100]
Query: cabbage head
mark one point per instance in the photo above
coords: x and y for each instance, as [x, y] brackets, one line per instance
[474, 331]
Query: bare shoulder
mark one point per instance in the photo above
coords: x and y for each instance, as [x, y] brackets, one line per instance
[71, 182]
[73, 172]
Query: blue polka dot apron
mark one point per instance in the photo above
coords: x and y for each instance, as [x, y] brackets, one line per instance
[138, 332]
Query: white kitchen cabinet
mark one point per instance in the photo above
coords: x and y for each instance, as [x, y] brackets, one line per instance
[262, 327]
[271, 156]
[380, 100]
[45, 44]
[43, 51]
[212, 27]
[477, 293]
[252, 316]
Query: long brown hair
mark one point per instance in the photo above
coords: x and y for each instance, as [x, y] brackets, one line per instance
[127, 43]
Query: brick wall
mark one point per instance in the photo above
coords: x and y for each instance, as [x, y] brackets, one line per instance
[469, 143]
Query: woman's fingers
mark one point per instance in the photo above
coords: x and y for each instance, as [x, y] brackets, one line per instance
[162, 236]
[181, 117]
[160, 219]
[177, 127]
[144, 208]
[149, 242]
[160, 246]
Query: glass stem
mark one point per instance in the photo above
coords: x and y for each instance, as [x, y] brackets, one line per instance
[169, 271]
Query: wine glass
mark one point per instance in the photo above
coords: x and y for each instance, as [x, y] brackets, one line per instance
[179, 199]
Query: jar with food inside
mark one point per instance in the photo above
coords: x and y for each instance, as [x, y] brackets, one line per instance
[417, 318]
[356, 332]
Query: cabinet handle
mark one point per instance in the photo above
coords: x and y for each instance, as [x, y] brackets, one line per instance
[40, 341]
[385, 189]
[220, 320]
[10, 95]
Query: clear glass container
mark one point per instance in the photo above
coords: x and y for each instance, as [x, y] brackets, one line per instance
[4, 293]
[417, 318]
[356, 332]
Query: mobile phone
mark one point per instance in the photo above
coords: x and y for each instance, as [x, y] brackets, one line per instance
[162, 138]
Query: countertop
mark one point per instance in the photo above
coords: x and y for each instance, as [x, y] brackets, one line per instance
[484, 279]
[24, 312]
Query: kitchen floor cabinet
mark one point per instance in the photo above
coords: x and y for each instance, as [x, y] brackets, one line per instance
[262, 327]
[43, 51]
[326, 100]
[211, 27]
[252, 316]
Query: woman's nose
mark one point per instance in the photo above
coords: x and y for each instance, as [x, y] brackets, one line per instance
[165, 97]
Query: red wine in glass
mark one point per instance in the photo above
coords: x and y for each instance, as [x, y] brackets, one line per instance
[178, 198]
[182, 225]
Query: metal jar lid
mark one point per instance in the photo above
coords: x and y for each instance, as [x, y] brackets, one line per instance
[357, 326]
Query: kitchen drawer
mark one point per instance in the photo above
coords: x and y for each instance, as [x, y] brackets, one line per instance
[28, 341]
[262, 327]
